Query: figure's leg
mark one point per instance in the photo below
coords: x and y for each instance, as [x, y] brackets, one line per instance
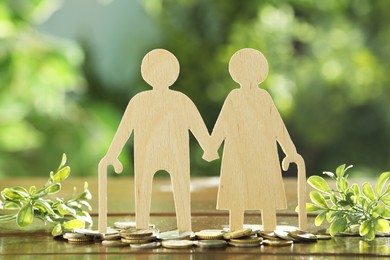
[143, 182]
[180, 179]
[236, 219]
[268, 216]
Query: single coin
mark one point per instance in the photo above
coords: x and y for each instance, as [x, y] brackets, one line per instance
[136, 233]
[175, 235]
[146, 245]
[245, 245]
[112, 237]
[95, 233]
[211, 243]
[209, 235]
[79, 240]
[303, 236]
[138, 240]
[114, 243]
[177, 244]
[213, 230]
[247, 240]
[238, 233]
[255, 228]
[284, 235]
[77, 236]
[286, 228]
[270, 235]
[268, 242]
[323, 237]
[128, 225]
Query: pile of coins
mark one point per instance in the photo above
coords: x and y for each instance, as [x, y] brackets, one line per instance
[125, 234]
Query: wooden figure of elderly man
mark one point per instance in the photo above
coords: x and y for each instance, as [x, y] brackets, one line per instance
[160, 119]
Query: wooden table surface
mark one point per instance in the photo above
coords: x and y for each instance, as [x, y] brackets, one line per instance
[36, 240]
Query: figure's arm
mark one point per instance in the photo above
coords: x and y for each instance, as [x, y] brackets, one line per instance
[122, 134]
[218, 135]
[199, 129]
[283, 138]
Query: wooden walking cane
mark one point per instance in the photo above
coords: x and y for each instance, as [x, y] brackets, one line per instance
[302, 216]
[102, 218]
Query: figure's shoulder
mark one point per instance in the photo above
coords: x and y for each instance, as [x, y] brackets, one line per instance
[180, 96]
[233, 94]
[264, 94]
[139, 97]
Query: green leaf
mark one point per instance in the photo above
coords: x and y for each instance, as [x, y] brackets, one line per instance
[86, 204]
[333, 199]
[57, 230]
[318, 183]
[342, 184]
[343, 203]
[41, 205]
[74, 223]
[356, 190]
[339, 225]
[330, 174]
[368, 191]
[318, 199]
[6, 218]
[12, 205]
[320, 218]
[380, 183]
[340, 171]
[62, 174]
[386, 200]
[15, 193]
[365, 227]
[63, 161]
[86, 195]
[64, 210]
[84, 216]
[32, 190]
[25, 215]
[53, 188]
[370, 235]
[381, 225]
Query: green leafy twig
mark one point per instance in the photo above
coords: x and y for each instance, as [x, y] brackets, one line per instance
[349, 208]
[30, 204]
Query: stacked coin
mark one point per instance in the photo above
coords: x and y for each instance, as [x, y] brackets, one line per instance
[137, 236]
[246, 241]
[217, 243]
[121, 225]
[302, 236]
[209, 234]
[286, 238]
[177, 244]
[78, 238]
[176, 235]
[238, 233]
[113, 240]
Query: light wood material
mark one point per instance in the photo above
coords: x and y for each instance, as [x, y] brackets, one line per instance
[160, 119]
[251, 126]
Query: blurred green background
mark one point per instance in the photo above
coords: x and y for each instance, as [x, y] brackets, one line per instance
[68, 69]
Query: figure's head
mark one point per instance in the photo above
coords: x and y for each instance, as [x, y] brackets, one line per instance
[160, 68]
[248, 67]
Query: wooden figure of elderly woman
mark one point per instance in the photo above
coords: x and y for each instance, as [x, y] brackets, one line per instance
[251, 126]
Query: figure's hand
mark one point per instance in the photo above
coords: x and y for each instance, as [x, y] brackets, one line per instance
[210, 156]
[106, 161]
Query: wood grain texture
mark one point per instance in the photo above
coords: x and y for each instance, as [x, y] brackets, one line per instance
[251, 127]
[160, 120]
